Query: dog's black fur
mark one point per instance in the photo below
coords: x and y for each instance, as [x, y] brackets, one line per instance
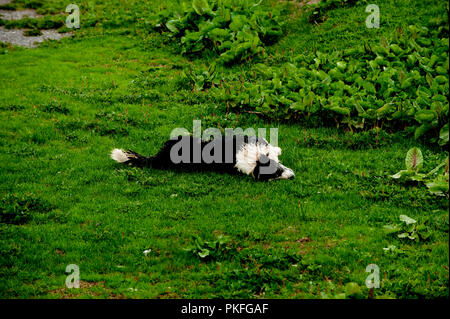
[226, 164]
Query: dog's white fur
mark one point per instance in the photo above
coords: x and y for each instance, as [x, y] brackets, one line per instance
[247, 157]
[119, 155]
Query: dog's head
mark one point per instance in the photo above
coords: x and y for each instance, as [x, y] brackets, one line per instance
[260, 159]
[267, 169]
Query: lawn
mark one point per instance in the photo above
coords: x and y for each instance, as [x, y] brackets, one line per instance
[117, 83]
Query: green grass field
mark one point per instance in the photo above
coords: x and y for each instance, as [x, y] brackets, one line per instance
[65, 105]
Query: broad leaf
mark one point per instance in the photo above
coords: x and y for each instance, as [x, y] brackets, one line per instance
[438, 187]
[203, 253]
[443, 135]
[201, 7]
[414, 159]
[171, 25]
[402, 173]
[407, 220]
[438, 168]
[418, 177]
[425, 116]
[421, 130]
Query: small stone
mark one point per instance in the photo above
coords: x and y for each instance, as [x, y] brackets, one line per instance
[147, 251]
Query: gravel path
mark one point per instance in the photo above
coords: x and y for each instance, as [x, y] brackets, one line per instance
[16, 36]
[19, 14]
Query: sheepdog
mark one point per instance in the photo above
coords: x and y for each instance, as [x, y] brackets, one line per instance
[243, 154]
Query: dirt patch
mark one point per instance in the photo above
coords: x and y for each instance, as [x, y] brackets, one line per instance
[5, 1]
[17, 37]
[304, 240]
[19, 14]
[92, 289]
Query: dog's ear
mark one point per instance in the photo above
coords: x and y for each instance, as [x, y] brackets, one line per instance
[256, 171]
[265, 168]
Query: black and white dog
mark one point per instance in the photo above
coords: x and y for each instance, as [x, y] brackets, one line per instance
[230, 154]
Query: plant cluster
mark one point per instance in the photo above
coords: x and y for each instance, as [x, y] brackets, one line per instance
[408, 229]
[401, 82]
[202, 79]
[437, 180]
[215, 250]
[236, 30]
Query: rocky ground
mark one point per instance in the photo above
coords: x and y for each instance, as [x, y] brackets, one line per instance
[18, 36]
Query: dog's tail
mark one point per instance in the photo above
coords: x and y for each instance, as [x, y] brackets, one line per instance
[129, 157]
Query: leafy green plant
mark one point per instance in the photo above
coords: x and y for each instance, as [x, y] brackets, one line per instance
[443, 135]
[409, 229]
[202, 79]
[400, 83]
[413, 163]
[439, 183]
[236, 30]
[437, 180]
[214, 250]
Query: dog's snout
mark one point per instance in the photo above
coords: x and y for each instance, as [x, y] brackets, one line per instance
[287, 172]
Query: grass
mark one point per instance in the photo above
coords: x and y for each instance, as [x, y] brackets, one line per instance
[65, 105]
